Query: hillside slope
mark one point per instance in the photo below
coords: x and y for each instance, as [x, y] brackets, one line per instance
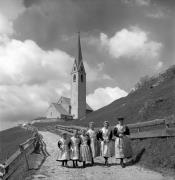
[155, 98]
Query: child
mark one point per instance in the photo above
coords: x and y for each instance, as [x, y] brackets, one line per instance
[75, 148]
[85, 153]
[94, 144]
[64, 149]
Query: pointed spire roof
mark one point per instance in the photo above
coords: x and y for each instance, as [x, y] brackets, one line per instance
[79, 55]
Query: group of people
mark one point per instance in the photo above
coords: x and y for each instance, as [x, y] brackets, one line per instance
[106, 142]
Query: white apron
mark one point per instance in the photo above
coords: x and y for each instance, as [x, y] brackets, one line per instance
[63, 151]
[94, 143]
[107, 148]
[75, 148]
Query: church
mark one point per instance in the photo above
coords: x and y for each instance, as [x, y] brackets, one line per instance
[76, 106]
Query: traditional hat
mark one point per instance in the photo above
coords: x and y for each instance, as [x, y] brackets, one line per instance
[120, 119]
[106, 122]
[63, 133]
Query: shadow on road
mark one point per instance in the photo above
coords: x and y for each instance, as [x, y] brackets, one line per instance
[136, 159]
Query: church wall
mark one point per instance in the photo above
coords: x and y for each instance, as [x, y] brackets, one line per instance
[52, 113]
[82, 96]
[78, 95]
[74, 96]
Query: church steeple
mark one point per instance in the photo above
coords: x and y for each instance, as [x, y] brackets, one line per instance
[78, 86]
[79, 55]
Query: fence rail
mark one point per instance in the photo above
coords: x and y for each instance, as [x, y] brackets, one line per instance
[138, 130]
[16, 159]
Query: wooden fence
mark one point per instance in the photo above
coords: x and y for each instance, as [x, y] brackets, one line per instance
[18, 158]
[150, 129]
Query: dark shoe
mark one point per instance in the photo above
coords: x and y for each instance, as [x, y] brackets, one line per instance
[84, 164]
[73, 164]
[123, 165]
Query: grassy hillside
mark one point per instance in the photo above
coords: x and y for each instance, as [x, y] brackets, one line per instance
[10, 140]
[156, 99]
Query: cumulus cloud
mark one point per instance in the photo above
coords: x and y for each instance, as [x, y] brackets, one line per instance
[25, 62]
[133, 43]
[103, 96]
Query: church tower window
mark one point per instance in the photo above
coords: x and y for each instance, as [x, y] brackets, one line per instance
[81, 77]
[74, 78]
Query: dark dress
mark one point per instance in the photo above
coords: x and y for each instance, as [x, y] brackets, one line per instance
[122, 142]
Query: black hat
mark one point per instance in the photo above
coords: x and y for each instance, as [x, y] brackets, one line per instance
[120, 119]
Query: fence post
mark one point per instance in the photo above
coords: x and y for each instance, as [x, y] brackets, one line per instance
[2, 171]
[138, 129]
[25, 155]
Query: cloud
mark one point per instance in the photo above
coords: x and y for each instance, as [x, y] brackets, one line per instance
[103, 96]
[137, 2]
[26, 63]
[131, 43]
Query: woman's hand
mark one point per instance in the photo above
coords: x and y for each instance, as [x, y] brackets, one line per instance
[120, 135]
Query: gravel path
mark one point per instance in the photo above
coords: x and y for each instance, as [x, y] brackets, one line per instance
[51, 169]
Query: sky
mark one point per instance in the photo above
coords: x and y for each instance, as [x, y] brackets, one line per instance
[122, 41]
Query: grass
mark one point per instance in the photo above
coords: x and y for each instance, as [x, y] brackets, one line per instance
[10, 140]
[159, 153]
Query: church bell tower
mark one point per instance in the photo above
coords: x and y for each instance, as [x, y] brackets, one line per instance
[78, 86]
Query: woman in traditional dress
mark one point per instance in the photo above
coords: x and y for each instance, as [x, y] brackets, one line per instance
[64, 149]
[122, 142]
[105, 135]
[94, 143]
[85, 152]
[75, 148]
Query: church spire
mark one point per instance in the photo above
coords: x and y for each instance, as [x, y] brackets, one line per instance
[79, 55]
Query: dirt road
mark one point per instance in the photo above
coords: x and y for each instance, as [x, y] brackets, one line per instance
[51, 169]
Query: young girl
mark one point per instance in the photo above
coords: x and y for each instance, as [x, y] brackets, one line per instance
[85, 153]
[64, 149]
[94, 144]
[75, 148]
[122, 142]
[105, 135]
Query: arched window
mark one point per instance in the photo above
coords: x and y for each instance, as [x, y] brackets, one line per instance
[74, 78]
[69, 109]
[81, 77]
[74, 68]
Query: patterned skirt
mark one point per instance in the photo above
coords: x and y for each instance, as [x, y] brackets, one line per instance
[107, 148]
[85, 153]
[63, 155]
[123, 148]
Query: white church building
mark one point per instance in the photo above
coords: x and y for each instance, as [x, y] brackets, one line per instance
[76, 106]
